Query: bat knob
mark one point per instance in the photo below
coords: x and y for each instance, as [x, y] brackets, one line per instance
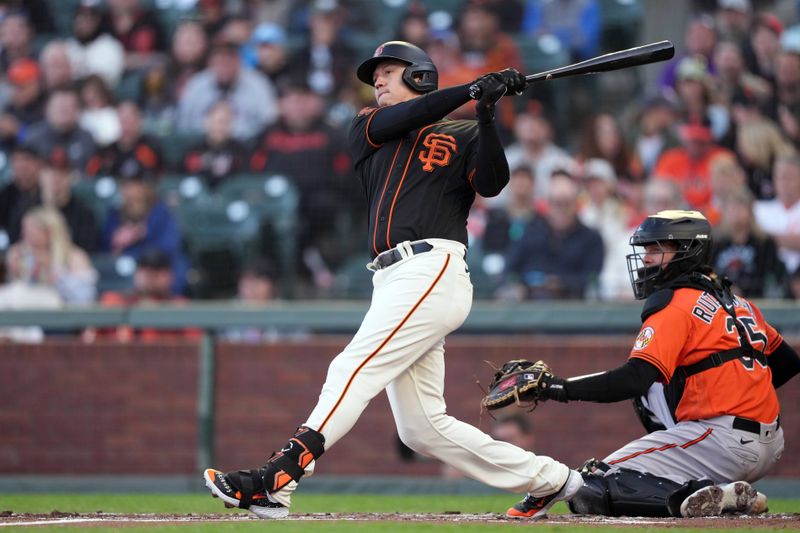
[475, 91]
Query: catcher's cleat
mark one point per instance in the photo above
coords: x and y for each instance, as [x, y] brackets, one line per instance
[736, 497]
[230, 488]
[532, 507]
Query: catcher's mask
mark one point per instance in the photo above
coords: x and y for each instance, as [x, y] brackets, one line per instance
[690, 236]
[420, 74]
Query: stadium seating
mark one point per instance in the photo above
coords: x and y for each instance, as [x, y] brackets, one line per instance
[352, 279]
[541, 52]
[218, 236]
[98, 194]
[177, 189]
[273, 200]
[115, 273]
[174, 147]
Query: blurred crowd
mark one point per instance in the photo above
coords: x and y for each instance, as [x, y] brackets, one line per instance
[169, 150]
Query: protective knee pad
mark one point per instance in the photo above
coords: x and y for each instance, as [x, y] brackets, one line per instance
[289, 464]
[626, 492]
[592, 497]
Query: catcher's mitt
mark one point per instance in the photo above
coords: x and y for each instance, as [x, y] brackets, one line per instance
[516, 382]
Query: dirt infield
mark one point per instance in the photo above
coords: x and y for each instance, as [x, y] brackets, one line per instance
[772, 521]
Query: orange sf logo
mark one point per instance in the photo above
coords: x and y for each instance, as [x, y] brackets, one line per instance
[440, 148]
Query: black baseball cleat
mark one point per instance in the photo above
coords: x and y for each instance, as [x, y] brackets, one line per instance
[532, 507]
[736, 497]
[228, 488]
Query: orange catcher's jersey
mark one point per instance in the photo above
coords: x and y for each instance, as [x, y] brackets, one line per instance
[693, 326]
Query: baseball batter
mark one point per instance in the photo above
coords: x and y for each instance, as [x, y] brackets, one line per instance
[420, 173]
[709, 365]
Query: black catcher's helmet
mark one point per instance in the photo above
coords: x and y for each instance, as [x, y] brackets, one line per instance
[421, 74]
[689, 230]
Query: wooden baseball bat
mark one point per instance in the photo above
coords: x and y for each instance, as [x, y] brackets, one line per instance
[632, 57]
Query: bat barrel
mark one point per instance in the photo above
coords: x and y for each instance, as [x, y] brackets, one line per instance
[632, 57]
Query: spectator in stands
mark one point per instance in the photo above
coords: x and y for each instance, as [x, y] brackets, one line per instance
[789, 121]
[444, 50]
[611, 218]
[534, 147]
[92, 49]
[689, 164]
[328, 58]
[314, 156]
[653, 132]
[733, 19]
[55, 186]
[99, 113]
[414, 28]
[507, 223]
[16, 39]
[660, 195]
[60, 131]
[212, 16]
[764, 46]
[743, 253]
[733, 79]
[188, 56]
[46, 256]
[139, 31]
[759, 143]
[26, 102]
[700, 38]
[251, 95]
[727, 176]
[484, 48]
[601, 137]
[154, 97]
[780, 217]
[56, 67]
[787, 82]
[696, 97]
[133, 154]
[153, 281]
[257, 286]
[271, 53]
[656, 195]
[557, 257]
[576, 23]
[143, 222]
[21, 191]
[218, 154]
[38, 13]
[55, 190]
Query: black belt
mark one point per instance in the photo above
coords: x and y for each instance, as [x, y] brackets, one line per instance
[390, 257]
[745, 424]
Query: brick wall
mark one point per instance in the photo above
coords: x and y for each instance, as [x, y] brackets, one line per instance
[70, 408]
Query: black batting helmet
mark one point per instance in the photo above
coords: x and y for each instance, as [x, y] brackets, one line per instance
[420, 74]
[691, 234]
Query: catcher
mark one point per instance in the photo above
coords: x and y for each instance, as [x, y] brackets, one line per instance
[704, 368]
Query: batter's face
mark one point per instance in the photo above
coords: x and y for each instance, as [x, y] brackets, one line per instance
[389, 86]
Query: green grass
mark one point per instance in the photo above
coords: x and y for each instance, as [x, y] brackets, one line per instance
[197, 504]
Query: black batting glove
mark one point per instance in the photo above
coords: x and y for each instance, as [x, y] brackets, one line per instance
[552, 387]
[515, 81]
[492, 88]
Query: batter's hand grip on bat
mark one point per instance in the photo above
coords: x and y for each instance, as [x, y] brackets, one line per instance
[475, 91]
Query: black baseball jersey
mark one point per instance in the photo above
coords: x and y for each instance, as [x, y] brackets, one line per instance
[421, 182]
